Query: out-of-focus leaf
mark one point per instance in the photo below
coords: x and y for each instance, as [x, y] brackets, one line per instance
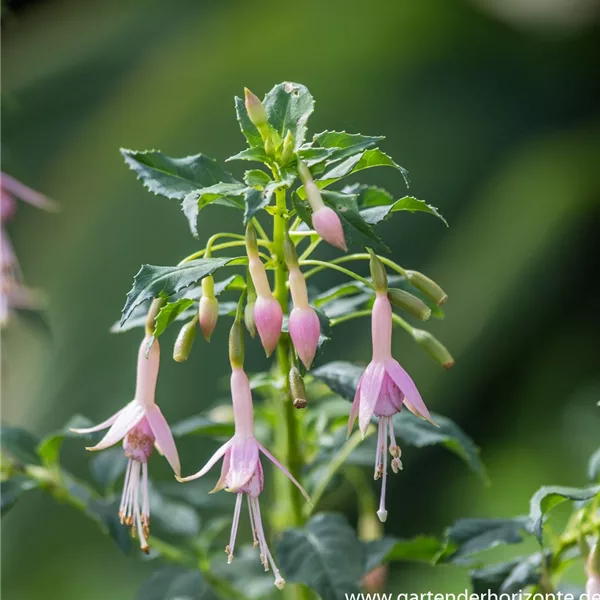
[36, 318]
[376, 214]
[20, 444]
[176, 583]
[547, 497]
[107, 466]
[594, 466]
[153, 281]
[106, 514]
[511, 576]
[325, 555]
[420, 549]
[202, 425]
[12, 489]
[173, 516]
[49, 448]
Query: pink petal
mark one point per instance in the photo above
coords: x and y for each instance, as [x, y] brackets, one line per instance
[103, 425]
[20, 190]
[127, 419]
[243, 461]
[354, 409]
[210, 464]
[412, 398]
[164, 437]
[372, 380]
[222, 482]
[284, 471]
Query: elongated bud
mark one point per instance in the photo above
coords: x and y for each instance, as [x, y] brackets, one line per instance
[255, 108]
[427, 286]
[289, 253]
[411, 304]
[153, 311]
[305, 330]
[271, 146]
[434, 348]
[378, 273]
[251, 242]
[185, 341]
[304, 172]
[236, 345]
[249, 318]
[268, 317]
[208, 310]
[287, 152]
[328, 225]
[297, 389]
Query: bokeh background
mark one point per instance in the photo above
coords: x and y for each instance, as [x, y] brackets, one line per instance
[494, 108]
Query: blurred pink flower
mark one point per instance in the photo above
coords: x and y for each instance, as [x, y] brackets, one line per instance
[382, 390]
[141, 426]
[242, 473]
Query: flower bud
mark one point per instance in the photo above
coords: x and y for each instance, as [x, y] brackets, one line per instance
[268, 317]
[304, 172]
[328, 225]
[434, 348]
[249, 318]
[411, 304]
[185, 341]
[251, 241]
[287, 152]
[305, 330]
[297, 389]
[236, 345]
[289, 253]
[378, 273]
[255, 108]
[271, 146]
[208, 310]
[427, 286]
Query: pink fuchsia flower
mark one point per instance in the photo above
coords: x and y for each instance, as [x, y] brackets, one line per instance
[142, 427]
[242, 473]
[382, 390]
[268, 315]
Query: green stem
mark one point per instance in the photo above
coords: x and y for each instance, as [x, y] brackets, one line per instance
[350, 257]
[353, 315]
[331, 265]
[261, 232]
[310, 248]
[406, 326]
[235, 244]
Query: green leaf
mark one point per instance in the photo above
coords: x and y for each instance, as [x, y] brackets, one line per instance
[508, 577]
[36, 319]
[105, 513]
[251, 154]
[256, 177]
[107, 466]
[547, 497]
[419, 549]
[176, 583]
[325, 555]
[153, 281]
[288, 106]
[12, 489]
[20, 444]
[340, 376]
[248, 128]
[49, 448]
[169, 313]
[594, 466]
[469, 536]
[173, 516]
[175, 177]
[255, 200]
[345, 144]
[311, 155]
[202, 425]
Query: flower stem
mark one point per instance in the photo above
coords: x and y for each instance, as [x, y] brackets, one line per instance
[353, 315]
[331, 265]
[364, 256]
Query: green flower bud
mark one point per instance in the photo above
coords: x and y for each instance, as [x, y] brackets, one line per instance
[427, 286]
[297, 389]
[236, 345]
[271, 145]
[411, 304]
[185, 341]
[251, 242]
[289, 252]
[434, 348]
[255, 108]
[287, 153]
[378, 273]
[249, 318]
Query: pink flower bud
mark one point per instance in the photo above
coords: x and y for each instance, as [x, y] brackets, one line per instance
[268, 317]
[305, 330]
[208, 313]
[328, 225]
[255, 108]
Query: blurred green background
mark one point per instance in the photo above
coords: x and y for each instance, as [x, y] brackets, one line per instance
[492, 106]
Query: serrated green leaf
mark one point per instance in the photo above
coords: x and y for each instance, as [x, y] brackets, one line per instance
[419, 549]
[376, 214]
[12, 489]
[312, 156]
[248, 128]
[470, 536]
[153, 281]
[20, 443]
[202, 425]
[325, 555]
[345, 144]
[175, 177]
[176, 583]
[169, 313]
[251, 154]
[255, 200]
[107, 466]
[256, 177]
[288, 106]
[594, 466]
[508, 577]
[547, 497]
[49, 448]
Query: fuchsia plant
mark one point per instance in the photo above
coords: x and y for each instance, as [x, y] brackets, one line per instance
[287, 209]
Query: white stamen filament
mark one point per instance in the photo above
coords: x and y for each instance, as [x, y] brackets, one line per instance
[380, 433]
[125, 494]
[129, 510]
[279, 581]
[382, 513]
[252, 525]
[234, 527]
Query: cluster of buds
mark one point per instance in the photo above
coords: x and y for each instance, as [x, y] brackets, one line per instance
[13, 293]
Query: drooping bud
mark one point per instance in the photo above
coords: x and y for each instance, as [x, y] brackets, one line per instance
[434, 348]
[304, 173]
[208, 310]
[411, 304]
[287, 152]
[251, 241]
[297, 389]
[255, 108]
[427, 286]
[153, 311]
[378, 273]
[185, 341]
[328, 225]
[236, 345]
[268, 317]
[305, 330]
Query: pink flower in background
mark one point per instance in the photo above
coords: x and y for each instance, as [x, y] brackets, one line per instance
[382, 390]
[242, 473]
[141, 426]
